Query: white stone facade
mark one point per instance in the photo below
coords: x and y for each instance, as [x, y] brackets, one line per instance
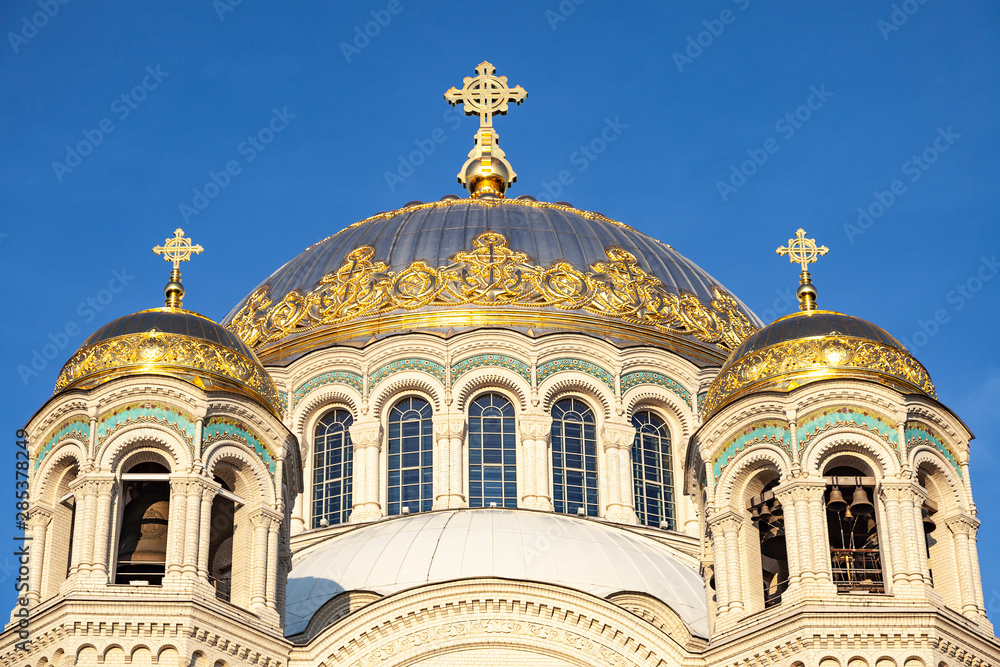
[83, 442]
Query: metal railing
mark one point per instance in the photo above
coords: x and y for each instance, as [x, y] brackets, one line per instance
[857, 570]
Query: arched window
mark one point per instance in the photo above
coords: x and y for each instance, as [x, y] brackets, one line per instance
[852, 527]
[492, 469]
[652, 468]
[411, 452]
[142, 539]
[333, 457]
[574, 457]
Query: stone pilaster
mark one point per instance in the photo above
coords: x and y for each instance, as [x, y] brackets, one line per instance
[39, 519]
[366, 436]
[616, 440]
[534, 431]
[449, 473]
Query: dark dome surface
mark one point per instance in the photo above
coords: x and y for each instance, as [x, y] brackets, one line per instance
[815, 323]
[617, 282]
[171, 321]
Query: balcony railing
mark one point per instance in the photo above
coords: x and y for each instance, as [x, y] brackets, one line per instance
[857, 570]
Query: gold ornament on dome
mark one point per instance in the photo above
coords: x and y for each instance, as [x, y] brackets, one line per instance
[790, 364]
[168, 354]
[492, 274]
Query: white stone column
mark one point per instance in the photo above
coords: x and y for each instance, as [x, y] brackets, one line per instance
[85, 497]
[176, 533]
[819, 539]
[899, 549]
[616, 439]
[724, 529]
[457, 465]
[261, 522]
[40, 518]
[205, 532]
[100, 558]
[192, 540]
[271, 595]
[449, 441]
[535, 429]
[962, 527]
[366, 436]
[793, 527]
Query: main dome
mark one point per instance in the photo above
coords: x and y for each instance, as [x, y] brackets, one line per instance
[458, 264]
[434, 547]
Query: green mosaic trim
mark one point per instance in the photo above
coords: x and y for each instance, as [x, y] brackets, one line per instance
[283, 397]
[637, 378]
[917, 434]
[225, 428]
[550, 368]
[495, 360]
[175, 419]
[425, 365]
[74, 427]
[333, 377]
[768, 430]
[701, 404]
[816, 423]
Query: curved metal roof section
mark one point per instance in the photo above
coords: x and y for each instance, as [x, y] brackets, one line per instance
[436, 232]
[434, 547]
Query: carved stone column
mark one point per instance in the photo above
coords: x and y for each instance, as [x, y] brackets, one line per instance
[205, 531]
[39, 517]
[85, 493]
[195, 494]
[261, 521]
[274, 533]
[724, 529]
[449, 476]
[535, 430]
[176, 533]
[100, 558]
[366, 493]
[962, 528]
[822, 568]
[616, 439]
[900, 550]
[795, 524]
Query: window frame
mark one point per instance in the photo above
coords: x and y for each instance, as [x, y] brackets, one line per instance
[385, 454]
[598, 471]
[667, 427]
[313, 521]
[467, 448]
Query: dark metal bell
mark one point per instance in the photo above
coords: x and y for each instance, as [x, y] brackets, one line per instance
[755, 514]
[929, 524]
[776, 509]
[836, 503]
[765, 513]
[860, 505]
[772, 544]
[144, 530]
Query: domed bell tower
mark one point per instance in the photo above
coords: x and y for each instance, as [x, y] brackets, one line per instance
[159, 473]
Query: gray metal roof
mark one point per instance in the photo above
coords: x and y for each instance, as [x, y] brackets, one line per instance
[420, 549]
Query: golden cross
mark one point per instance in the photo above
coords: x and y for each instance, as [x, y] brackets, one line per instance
[485, 94]
[177, 249]
[802, 250]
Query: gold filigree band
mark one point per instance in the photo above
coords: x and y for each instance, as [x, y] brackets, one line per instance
[206, 364]
[493, 275]
[789, 364]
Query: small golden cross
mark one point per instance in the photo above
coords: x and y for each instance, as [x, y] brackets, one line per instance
[485, 94]
[802, 250]
[177, 249]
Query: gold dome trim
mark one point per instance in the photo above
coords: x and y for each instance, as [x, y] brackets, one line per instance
[191, 359]
[495, 276]
[789, 364]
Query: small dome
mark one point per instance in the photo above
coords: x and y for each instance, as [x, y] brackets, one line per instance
[816, 345]
[173, 342]
[410, 551]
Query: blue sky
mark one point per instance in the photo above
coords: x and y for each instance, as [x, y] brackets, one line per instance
[735, 122]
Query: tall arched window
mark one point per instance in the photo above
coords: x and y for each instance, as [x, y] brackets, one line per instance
[652, 468]
[411, 452]
[333, 458]
[574, 457]
[492, 469]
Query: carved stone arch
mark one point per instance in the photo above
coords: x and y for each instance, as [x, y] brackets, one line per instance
[318, 401]
[139, 437]
[925, 455]
[482, 380]
[745, 467]
[58, 461]
[416, 383]
[580, 385]
[850, 440]
[254, 475]
[646, 396]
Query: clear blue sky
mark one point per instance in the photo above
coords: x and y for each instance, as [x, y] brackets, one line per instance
[199, 80]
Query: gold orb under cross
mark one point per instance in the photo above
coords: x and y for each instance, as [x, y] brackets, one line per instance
[802, 250]
[485, 94]
[177, 249]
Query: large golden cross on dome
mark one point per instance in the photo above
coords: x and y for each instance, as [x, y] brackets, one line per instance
[485, 94]
[804, 252]
[176, 249]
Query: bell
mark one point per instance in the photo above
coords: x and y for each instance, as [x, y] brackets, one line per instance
[836, 503]
[754, 514]
[772, 544]
[776, 509]
[144, 530]
[765, 514]
[860, 505]
[929, 524]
